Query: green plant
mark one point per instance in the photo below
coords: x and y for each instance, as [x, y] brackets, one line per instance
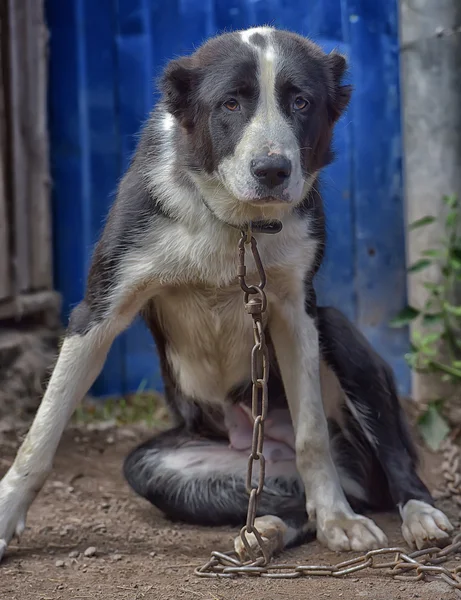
[437, 348]
[144, 406]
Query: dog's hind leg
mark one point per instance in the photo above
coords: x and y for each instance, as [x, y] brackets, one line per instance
[201, 481]
[373, 404]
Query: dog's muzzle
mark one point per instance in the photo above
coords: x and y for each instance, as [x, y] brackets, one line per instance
[271, 171]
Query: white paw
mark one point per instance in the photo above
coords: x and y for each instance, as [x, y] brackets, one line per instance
[272, 530]
[350, 532]
[13, 511]
[423, 525]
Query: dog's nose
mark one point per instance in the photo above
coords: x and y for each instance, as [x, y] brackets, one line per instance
[271, 171]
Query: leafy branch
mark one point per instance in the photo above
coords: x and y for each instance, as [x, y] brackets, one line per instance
[437, 350]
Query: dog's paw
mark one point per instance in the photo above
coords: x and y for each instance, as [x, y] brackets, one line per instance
[350, 532]
[424, 526]
[272, 530]
[13, 512]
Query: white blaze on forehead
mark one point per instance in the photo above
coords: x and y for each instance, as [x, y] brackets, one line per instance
[268, 130]
[247, 33]
[267, 69]
[267, 74]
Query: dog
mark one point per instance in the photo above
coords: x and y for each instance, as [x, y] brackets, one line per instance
[240, 137]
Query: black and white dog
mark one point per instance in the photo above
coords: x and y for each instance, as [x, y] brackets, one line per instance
[241, 134]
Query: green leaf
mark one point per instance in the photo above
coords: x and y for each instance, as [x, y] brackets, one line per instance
[422, 222]
[455, 252]
[454, 258]
[431, 318]
[453, 310]
[429, 352]
[432, 253]
[416, 339]
[434, 288]
[419, 265]
[446, 271]
[431, 338]
[411, 359]
[451, 201]
[404, 317]
[451, 219]
[455, 264]
[433, 426]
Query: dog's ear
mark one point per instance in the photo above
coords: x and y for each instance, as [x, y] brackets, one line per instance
[178, 84]
[340, 95]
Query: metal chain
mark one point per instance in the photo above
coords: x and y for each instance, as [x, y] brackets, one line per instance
[414, 566]
[255, 304]
[451, 469]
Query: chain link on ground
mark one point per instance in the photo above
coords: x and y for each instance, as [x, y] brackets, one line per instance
[397, 562]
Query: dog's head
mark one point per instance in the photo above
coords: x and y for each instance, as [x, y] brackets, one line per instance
[257, 110]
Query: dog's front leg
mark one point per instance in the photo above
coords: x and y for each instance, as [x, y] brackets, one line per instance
[80, 360]
[295, 338]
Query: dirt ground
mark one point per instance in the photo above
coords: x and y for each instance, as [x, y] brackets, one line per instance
[141, 555]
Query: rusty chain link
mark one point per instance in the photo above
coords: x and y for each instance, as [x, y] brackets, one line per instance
[414, 566]
[255, 304]
[451, 470]
[404, 566]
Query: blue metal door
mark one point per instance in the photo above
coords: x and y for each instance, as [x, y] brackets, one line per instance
[104, 59]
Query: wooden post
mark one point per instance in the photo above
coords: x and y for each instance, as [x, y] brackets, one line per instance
[25, 212]
[16, 111]
[37, 147]
[431, 86]
[5, 275]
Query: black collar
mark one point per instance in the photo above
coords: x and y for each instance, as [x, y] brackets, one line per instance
[265, 226]
[259, 226]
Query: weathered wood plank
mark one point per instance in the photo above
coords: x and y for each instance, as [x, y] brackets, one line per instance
[5, 280]
[28, 304]
[37, 146]
[19, 163]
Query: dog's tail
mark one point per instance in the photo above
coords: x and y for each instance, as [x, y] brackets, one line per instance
[202, 482]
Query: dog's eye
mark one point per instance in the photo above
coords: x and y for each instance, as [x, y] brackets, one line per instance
[300, 103]
[232, 104]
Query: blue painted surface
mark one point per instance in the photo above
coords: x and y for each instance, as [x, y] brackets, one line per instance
[105, 58]
[380, 278]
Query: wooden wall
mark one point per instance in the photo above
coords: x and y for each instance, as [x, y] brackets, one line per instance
[25, 219]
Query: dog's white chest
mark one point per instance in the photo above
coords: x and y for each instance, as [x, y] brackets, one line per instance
[208, 338]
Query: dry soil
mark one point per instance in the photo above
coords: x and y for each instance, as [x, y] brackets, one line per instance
[141, 555]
